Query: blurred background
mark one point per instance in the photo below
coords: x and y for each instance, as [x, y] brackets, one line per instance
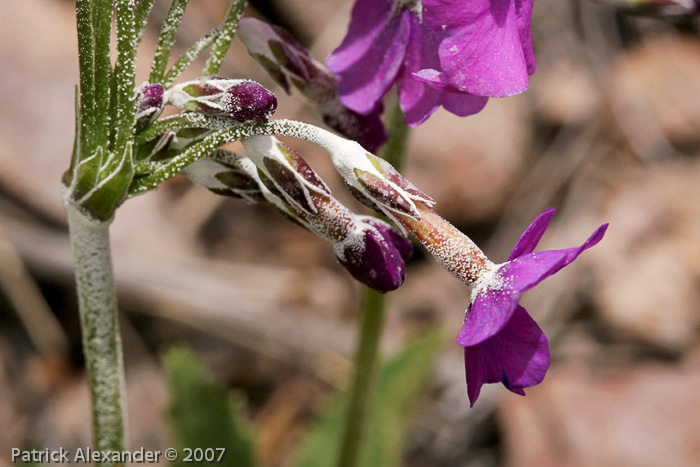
[608, 132]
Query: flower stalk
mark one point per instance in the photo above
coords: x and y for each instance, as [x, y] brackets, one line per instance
[99, 324]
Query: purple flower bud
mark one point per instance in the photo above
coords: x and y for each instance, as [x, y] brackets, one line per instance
[368, 130]
[149, 103]
[241, 100]
[376, 257]
[290, 64]
[368, 248]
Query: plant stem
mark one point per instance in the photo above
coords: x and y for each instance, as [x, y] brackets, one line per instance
[363, 391]
[99, 323]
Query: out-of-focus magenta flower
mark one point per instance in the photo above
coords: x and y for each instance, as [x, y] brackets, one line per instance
[486, 48]
[450, 53]
[502, 343]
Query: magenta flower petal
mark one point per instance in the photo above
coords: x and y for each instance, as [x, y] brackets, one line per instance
[369, 59]
[482, 52]
[525, 272]
[455, 101]
[487, 315]
[463, 104]
[531, 237]
[518, 357]
[417, 100]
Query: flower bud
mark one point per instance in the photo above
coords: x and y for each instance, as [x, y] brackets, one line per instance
[372, 180]
[239, 99]
[287, 61]
[290, 64]
[228, 174]
[376, 254]
[149, 103]
[368, 248]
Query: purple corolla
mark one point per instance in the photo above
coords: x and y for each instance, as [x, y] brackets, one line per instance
[502, 343]
[449, 53]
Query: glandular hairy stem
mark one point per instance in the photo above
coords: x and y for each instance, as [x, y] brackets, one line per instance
[97, 302]
[457, 252]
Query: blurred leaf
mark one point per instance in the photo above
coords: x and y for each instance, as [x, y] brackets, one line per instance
[401, 383]
[203, 415]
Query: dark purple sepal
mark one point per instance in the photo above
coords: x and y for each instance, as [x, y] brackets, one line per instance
[249, 101]
[368, 130]
[149, 103]
[377, 260]
[393, 175]
[288, 182]
[302, 168]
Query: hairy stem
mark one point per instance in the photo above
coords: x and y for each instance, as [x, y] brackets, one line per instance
[100, 328]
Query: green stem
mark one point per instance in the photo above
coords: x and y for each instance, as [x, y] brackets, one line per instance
[363, 391]
[100, 328]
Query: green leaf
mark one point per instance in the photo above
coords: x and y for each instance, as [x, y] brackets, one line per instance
[203, 415]
[224, 39]
[190, 56]
[401, 384]
[166, 40]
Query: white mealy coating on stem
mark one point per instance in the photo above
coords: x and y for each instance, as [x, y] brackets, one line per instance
[100, 327]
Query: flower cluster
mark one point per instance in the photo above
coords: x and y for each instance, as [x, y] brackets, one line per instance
[502, 343]
[367, 247]
[448, 53]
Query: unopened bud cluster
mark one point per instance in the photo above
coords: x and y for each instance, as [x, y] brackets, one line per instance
[367, 247]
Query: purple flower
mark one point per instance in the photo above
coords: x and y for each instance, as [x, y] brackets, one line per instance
[449, 53]
[387, 42]
[502, 343]
[486, 48]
